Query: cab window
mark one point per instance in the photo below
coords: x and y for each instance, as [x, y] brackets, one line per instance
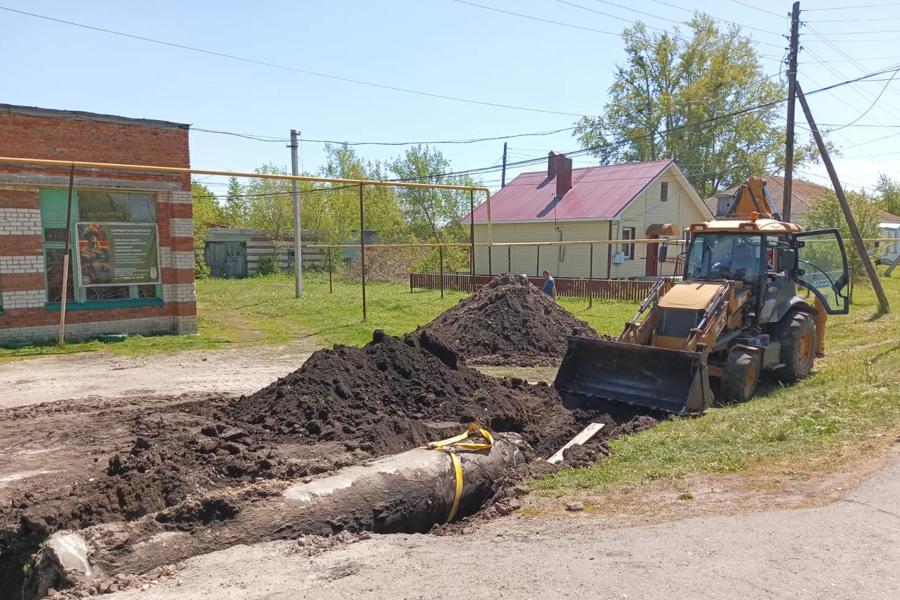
[725, 256]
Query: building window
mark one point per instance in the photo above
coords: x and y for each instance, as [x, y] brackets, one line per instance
[628, 249]
[92, 206]
[663, 192]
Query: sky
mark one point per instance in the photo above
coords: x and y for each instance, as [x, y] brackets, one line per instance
[558, 58]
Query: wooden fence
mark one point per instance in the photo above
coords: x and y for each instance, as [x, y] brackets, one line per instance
[603, 289]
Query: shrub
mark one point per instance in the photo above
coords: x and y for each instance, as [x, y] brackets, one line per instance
[266, 266]
[201, 269]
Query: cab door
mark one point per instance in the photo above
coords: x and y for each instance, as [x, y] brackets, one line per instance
[822, 268]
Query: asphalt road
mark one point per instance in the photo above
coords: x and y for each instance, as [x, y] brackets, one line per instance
[849, 549]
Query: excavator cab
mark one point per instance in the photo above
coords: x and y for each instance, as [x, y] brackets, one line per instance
[734, 313]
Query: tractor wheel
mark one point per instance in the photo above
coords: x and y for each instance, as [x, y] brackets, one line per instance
[798, 335]
[741, 375]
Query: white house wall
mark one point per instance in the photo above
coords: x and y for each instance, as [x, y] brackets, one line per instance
[563, 261]
[647, 209]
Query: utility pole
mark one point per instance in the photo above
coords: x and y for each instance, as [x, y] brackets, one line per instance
[503, 172]
[842, 200]
[792, 94]
[295, 192]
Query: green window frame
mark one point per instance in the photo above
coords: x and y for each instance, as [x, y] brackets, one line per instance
[54, 206]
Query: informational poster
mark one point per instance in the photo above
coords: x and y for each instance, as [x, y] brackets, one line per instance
[117, 254]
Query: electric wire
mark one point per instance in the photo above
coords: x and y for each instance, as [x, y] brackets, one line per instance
[624, 141]
[266, 138]
[281, 67]
[534, 18]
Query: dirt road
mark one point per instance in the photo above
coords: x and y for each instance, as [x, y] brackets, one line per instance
[100, 375]
[847, 549]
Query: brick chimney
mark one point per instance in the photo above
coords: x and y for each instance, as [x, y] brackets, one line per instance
[563, 175]
[551, 164]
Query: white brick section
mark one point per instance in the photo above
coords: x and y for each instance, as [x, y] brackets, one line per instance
[23, 299]
[183, 259]
[179, 292]
[180, 259]
[165, 257]
[180, 197]
[186, 325]
[22, 264]
[20, 221]
[182, 227]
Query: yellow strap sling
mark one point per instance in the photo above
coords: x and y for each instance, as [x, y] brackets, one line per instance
[458, 442]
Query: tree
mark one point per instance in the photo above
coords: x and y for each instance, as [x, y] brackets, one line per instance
[433, 214]
[888, 191]
[206, 212]
[235, 210]
[269, 207]
[826, 213]
[669, 98]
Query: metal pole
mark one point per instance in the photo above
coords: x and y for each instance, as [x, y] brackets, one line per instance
[503, 172]
[330, 274]
[472, 232]
[441, 257]
[64, 290]
[788, 190]
[609, 249]
[842, 199]
[295, 192]
[362, 249]
[537, 263]
[509, 259]
[591, 277]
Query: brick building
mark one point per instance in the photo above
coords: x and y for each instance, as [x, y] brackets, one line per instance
[131, 257]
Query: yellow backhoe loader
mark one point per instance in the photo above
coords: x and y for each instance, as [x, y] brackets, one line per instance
[734, 313]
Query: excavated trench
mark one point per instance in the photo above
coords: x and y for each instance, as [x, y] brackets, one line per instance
[212, 464]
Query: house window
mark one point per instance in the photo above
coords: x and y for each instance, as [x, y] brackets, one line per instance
[663, 192]
[91, 206]
[628, 249]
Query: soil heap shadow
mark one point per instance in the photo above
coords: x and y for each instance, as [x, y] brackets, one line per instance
[508, 322]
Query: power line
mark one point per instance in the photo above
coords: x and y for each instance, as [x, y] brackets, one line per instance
[600, 12]
[866, 20]
[693, 11]
[624, 141]
[533, 18]
[885, 4]
[843, 54]
[762, 10]
[266, 138]
[272, 65]
[871, 106]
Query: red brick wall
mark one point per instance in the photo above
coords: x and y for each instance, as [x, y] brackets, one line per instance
[26, 136]
[31, 317]
[84, 139]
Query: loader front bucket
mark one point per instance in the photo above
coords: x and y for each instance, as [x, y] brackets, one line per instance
[669, 380]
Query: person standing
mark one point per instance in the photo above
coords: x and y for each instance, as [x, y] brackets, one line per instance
[549, 286]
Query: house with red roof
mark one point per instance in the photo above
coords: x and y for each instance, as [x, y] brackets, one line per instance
[637, 201]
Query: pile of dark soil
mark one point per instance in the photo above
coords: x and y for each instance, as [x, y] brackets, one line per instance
[342, 406]
[397, 393]
[508, 322]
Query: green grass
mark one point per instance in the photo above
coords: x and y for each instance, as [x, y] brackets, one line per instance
[849, 406]
[263, 310]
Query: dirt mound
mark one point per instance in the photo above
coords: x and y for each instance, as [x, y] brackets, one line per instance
[342, 406]
[508, 322]
[396, 393]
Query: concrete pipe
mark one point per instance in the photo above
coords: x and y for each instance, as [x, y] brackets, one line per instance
[407, 492]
